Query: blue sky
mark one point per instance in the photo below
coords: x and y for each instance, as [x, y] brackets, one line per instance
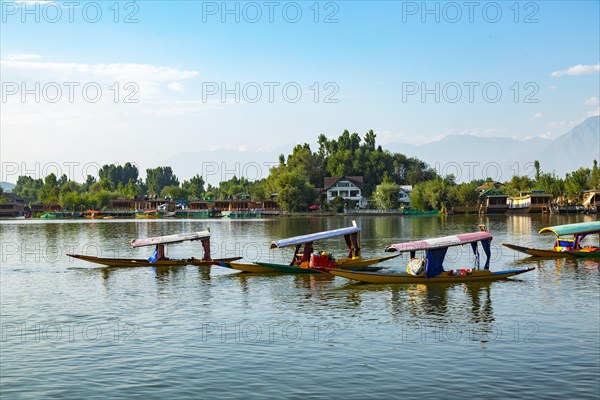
[359, 65]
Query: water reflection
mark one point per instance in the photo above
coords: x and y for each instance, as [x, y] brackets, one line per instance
[443, 303]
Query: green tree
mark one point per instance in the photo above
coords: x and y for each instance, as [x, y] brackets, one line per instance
[100, 200]
[158, 178]
[117, 174]
[370, 140]
[259, 190]
[307, 163]
[386, 194]
[28, 188]
[430, 195]
[518, 184]
[89, 181]
[549, 183]
[175, 192]
[536, 165]
[338, 204]
[595, 177]
[294, 191]
[69, 196]
[464, 194]
[417, 198]
[577, 181]
[73, 201]
[50, 191]
[195, 187]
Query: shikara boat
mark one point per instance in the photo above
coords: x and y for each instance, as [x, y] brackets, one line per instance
[147, 214]
[566, 247]
[159, 258]
[304, 261]
[430, 269]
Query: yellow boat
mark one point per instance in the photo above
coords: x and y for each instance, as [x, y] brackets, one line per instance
[142, 262]
[304, 261]
[446, 277]
[257, 268]
[430, 269]
[147, 214]
[159, 258]
[565, 247]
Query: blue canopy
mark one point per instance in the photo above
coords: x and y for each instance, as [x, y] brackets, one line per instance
[435, 258]
[573, 229]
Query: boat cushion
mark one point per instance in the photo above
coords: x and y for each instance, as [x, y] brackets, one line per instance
[416, 266]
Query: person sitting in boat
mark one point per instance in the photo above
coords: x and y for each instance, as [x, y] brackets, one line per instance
[564, 245]
[416, 266]
[159, 254]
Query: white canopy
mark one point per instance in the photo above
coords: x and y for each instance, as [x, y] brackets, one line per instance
[170, 239]
[316, 236]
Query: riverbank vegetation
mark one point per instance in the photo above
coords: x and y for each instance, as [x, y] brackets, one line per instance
[296, 181]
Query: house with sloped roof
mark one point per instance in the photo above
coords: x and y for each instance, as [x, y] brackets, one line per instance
[346, 187]
[11, 205]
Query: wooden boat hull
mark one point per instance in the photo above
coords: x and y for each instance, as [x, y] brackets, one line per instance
[357, 263]
[552, 253]
[261, 267]
[140, 262]
[585, 254]
[346, 263]
[246, 267]
[444, 277]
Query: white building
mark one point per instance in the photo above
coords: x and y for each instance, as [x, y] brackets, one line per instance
[346, 187]
[404, 194]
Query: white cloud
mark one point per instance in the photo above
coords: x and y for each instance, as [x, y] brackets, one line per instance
[578, 69]
[594, 113]
[144, 83]
[176, 87]
[479, 132]
[113, 71]
[592, 101]
[22, 56]
[548, 135]
[537, 115]
[559, 124]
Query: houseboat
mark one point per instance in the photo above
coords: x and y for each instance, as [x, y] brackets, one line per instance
[494, 204]
[591, 201]
[535, 202]
[242, 209]
[198, 209]
[11, 206]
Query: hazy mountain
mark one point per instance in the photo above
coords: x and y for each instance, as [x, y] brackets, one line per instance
[473, 157]
[7, 186]
[220, 165]
[467, 157]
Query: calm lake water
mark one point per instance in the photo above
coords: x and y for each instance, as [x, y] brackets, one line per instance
[71, 331]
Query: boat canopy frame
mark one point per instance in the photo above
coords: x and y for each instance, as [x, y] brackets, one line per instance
[587, 228]
[435, 250]
[578, 230]
[351, 237]
[161, 241]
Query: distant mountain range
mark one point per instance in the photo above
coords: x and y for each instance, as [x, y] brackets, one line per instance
[501, 158]
[220, 165]
[7, 186]
[467, 157]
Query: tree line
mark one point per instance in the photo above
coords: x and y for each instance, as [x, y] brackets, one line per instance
[296, 178]
[439, 192]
